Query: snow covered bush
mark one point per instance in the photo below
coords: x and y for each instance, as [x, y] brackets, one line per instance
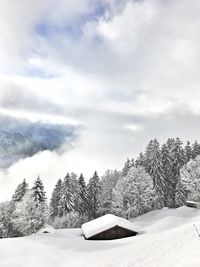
[190, 179]
[134, 194]
[29, 216]
[70, 220]
[108, 183]
[6, 222]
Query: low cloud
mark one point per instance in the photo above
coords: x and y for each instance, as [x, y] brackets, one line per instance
[20, 139]
[97, 149]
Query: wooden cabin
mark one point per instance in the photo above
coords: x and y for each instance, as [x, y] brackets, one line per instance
[108, 227]
[192, 204]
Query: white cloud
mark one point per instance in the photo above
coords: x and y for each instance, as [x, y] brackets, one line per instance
[125, 73]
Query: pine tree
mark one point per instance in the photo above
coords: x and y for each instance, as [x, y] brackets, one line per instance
[153, 165]
[127, 167]
[140, 161]
[132, 162]
[20, 191]
[38, 192]
[93, 192]
[147, 157]
[179, 160]
[168, 175]
[181, 194]
[128, 164]
[56, 200]
[195, 150]
[170, 143]
[83, 205]
[188, 151]
[68, 197]
[76, 191]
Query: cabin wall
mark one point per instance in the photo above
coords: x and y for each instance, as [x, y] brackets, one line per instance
[113, 233]
[192, 205]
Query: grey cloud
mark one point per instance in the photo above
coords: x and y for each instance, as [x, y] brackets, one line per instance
[109, 132]
[14, 96]
[20, 139]
[177, 122]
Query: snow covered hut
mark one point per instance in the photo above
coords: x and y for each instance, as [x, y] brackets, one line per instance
[192, 204]
[108, 227]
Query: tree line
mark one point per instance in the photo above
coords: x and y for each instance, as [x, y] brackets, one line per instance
[162, 176]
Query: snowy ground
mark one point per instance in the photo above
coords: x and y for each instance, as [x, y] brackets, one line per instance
[169, 239]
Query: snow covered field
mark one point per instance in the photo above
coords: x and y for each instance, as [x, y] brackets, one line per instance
[168, 239]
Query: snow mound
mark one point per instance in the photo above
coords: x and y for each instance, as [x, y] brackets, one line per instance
[165, 219]
[47, 229]
[105, 222]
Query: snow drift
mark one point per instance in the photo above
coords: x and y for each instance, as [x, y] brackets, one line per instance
[169, 239]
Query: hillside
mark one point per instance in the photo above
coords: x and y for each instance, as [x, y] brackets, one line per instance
[168, 239]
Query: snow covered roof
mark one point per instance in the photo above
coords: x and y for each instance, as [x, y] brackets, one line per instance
[192, 202]
[103, 223]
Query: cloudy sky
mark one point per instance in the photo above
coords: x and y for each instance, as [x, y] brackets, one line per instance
[121, 71]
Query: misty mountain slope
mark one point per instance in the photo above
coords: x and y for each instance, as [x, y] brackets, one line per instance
[23, 139]
[165, 242]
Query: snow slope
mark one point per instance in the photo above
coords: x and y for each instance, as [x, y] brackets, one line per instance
[169, 239]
